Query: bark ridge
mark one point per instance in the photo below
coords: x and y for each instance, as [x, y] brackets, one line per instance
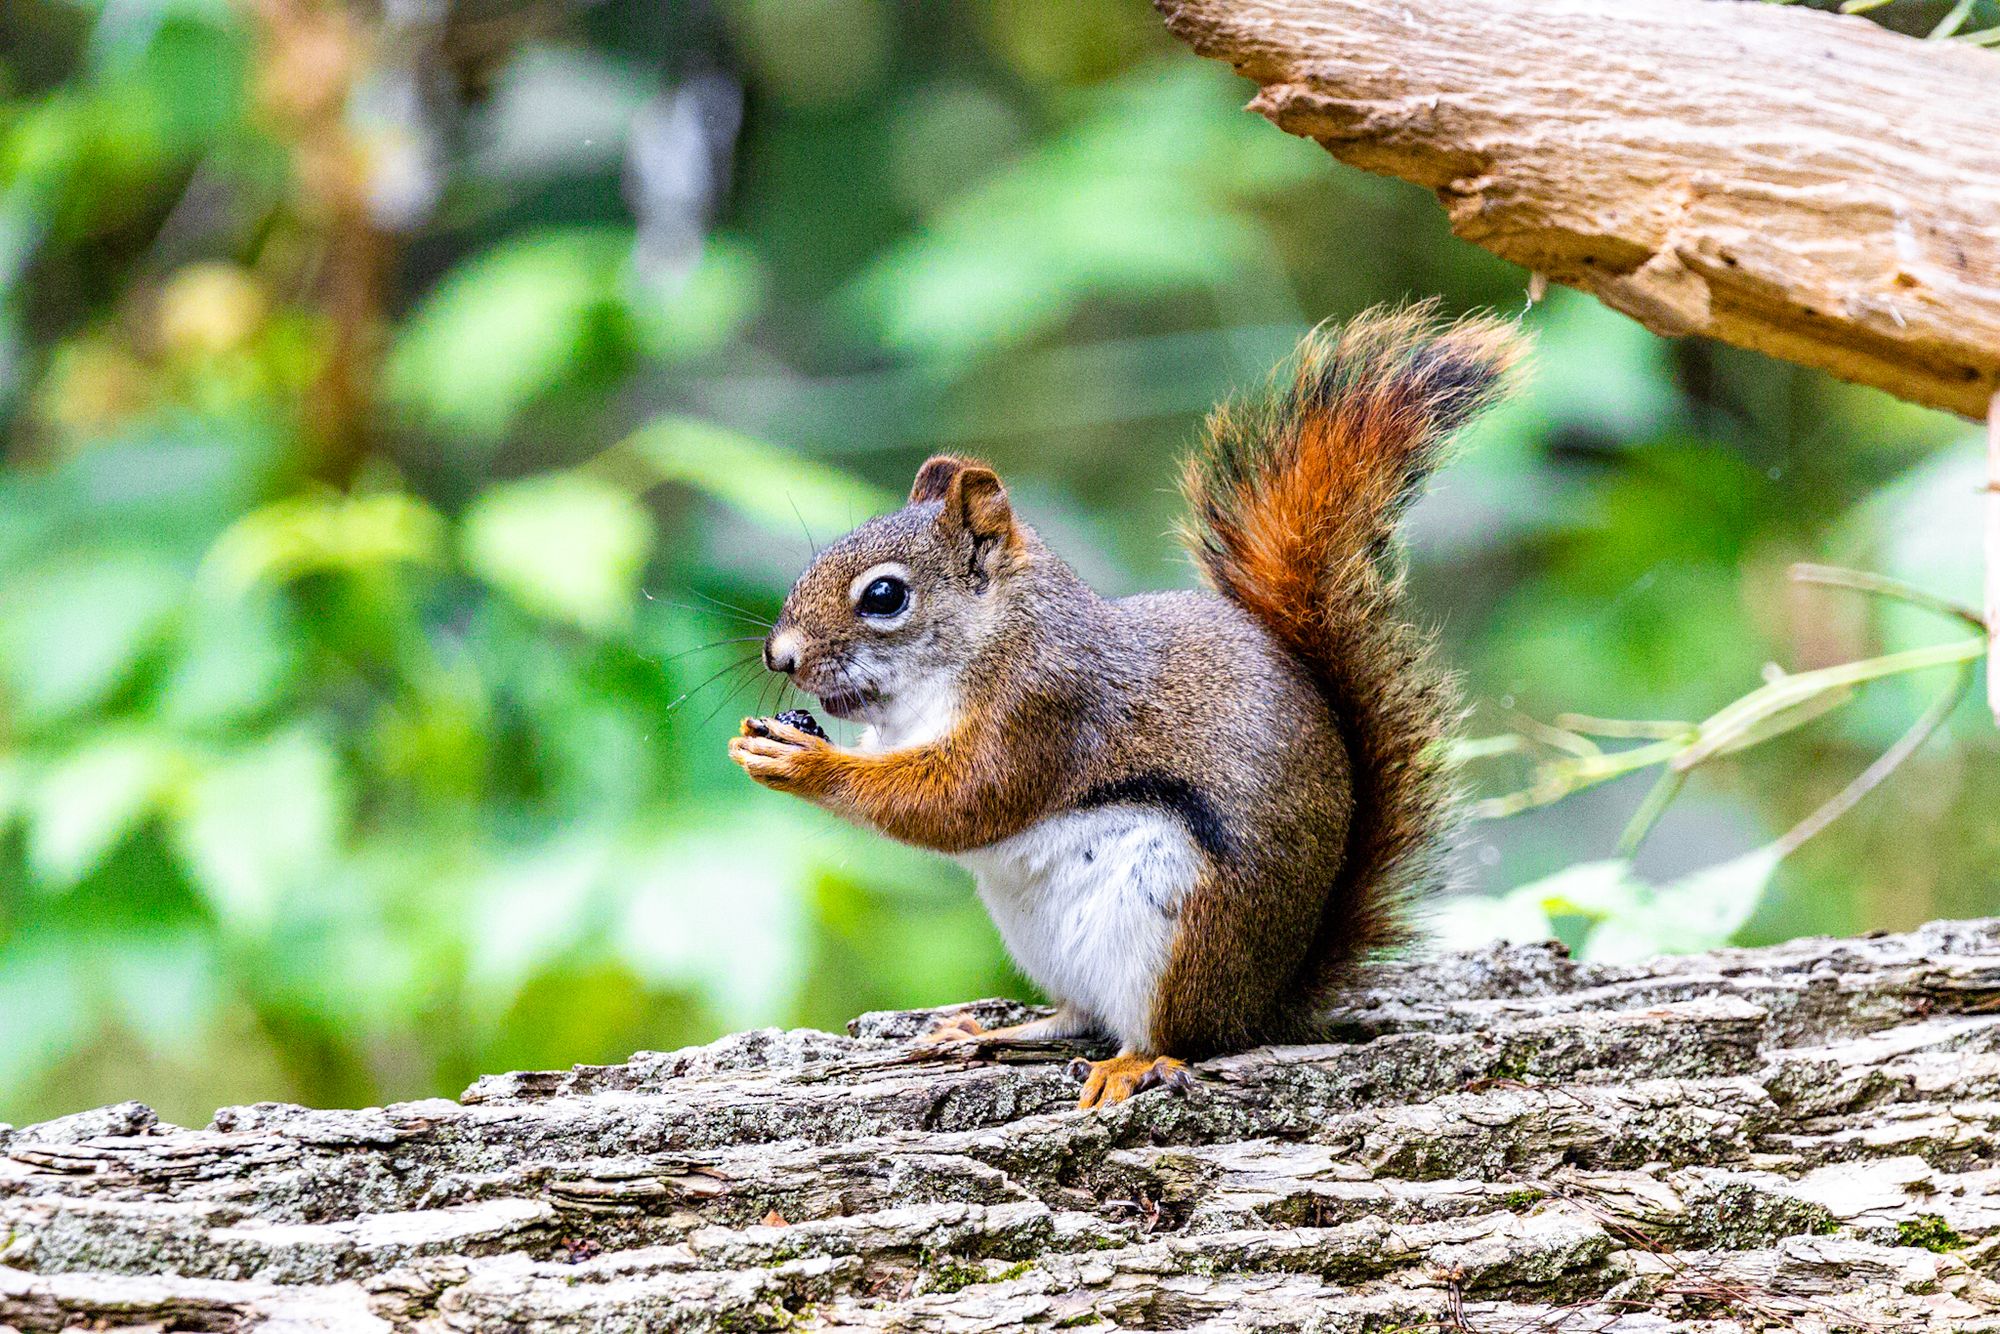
[1803, 1137]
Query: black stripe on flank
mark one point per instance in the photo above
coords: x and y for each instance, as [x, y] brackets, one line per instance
[1183, 798]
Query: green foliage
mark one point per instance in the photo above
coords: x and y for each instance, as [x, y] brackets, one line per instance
[1142, 196]
[381, 568]
[1606, 914]
[533, 315]
[769, 485]
[1930, 1232]
[564, 545]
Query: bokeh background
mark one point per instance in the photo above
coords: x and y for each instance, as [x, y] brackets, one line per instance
[401, 402]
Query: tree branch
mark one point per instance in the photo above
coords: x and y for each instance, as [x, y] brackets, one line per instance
[1507, 1140]
[1809, 185]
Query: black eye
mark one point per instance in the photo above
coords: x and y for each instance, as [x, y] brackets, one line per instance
[884, 597]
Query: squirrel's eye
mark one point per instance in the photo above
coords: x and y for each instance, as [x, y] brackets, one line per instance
[885, 597]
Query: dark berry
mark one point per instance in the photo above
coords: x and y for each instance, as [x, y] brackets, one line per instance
[802, 720]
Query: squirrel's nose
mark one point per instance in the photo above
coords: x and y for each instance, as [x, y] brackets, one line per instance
[781, 652]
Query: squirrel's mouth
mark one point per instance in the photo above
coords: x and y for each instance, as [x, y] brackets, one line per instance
[844, 703]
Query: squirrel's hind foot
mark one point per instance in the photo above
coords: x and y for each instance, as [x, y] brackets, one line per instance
[1116, 1079]
[957, 1028]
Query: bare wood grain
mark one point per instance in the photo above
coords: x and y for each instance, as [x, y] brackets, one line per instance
[1811, 186]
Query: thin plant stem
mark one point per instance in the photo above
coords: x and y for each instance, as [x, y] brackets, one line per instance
[1885, 764]
[1784, 703]
[1660, 796]
[1953, 20]
[1734, 721]
[1881, 585]
[1484, 748]
[1624, 729]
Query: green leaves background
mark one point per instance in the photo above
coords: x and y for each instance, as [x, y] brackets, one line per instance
[343, 776]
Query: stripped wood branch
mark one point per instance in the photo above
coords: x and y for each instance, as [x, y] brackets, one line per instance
[1801, 183]
[1992, 508]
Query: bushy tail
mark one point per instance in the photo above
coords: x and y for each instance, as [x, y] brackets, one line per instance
[1293, 503]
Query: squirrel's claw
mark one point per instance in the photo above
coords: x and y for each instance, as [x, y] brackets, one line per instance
[1116, 1079]
[777, 755]
[770, 729]
[771, 752]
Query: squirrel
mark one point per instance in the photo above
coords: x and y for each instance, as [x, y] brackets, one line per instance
[1187, 812]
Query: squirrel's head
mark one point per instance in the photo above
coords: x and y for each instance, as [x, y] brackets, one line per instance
[882, 622]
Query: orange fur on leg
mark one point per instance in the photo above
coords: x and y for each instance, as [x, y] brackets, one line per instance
[964, 790]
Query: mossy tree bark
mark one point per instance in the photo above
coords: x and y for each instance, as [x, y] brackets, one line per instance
[1802, 1137]
[1806, 184]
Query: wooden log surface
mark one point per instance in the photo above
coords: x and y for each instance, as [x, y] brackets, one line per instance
[1804, 1137]
[1809, 185]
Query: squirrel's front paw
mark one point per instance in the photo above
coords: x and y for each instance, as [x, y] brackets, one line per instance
[776, 754]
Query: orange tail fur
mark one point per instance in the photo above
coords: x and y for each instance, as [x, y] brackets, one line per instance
[1293, 507]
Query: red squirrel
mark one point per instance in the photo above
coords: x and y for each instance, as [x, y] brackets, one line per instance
[1188, 811]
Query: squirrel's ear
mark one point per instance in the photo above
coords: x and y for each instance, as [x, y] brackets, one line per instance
[935, 476]
[977, 501]
[976, 504]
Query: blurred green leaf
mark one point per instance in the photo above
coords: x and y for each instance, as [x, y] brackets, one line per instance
[1702, 911]
[1623, 650]
[533, 908]
[1916, 528]
[261, 822]
[82, 805]
[13, 790]
[378, 935]
[1469, 921]
[1592, 369]
[235, 657]
[191, 71]
[706, 309]
[1135, 200]
[565, 545]
[288, 539]
[44, 1008]
[778, 488]
[178, 480]
[73, 631]
[1594, 890]
[166, 987]
[1626, 918]
[698, 913]
[508, 326]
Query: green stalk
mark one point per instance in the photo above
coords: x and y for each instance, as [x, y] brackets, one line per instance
[1734, 721]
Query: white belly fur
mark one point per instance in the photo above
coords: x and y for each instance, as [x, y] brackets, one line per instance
[1086, 903]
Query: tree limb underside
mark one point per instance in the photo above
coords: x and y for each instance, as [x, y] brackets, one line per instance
[1809, 185]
